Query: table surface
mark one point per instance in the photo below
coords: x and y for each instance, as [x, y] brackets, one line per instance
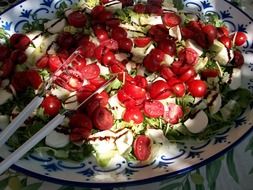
[233, 171]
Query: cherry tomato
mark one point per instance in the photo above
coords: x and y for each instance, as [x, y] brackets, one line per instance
[222, 31]
[139, 8]
[188, 74]
[34, 78]
[19, 81]
[54, 62]
[176, 67]
[158, 32]
[80, 120]
[166, 73]
[90, 71]
[98, 81]
[240, 38]
[42, 62]
[179, 89]
[65, 40]
[125, 44]
[97, 10]
[110, 44]
[51, 105]
[135, 91]
[142, 147]
[19, 41]
[226, 41]
[88, 49]
[108, 58]
[238, 60]
[171, 19]
[206, 73]
[18, 56]
[150, 64]
[187, 33]
[118, 33]
[173, 113]
[4, 52]
[159, 90]
[102, 118]
[101, 34]
[117, 67]
[153, 108]
[167, 46]
[77, 19]
[188, 56]
[197, 88]
[133, 114]
[153, 9]
[79, 134]
[211, 32]
[125, 99]
[6, 68]
[141, 41]
[83, 93]
[140, 81]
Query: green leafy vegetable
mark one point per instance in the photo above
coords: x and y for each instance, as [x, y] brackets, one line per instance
[214, 19]
[35, 24]
[61, 11]
[178, 4]
[4, 35]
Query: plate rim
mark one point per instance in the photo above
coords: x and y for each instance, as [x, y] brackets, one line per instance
[106, 185]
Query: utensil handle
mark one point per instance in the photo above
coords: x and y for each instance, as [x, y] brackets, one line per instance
[19, 120]
[23, 149]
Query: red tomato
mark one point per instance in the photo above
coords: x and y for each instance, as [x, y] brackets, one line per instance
[18, 56]
[159, 90]
[65, 40]
[108, 58]
[150, 64]
[188, 56]
[42, 62]
[90, 71]
[142, 147]
[166, 73]
[171, 19]
[102, 118]
[80, 120]
[197, 88]
[167, 46]
[77, 19]
[79, 134]
[88, 49]
[101, 34]
[211, 32]
[97, 10]
[135, 92]
[153, 9]
[118, 32]
[240, 38]
[140, 81]
[158, 32]
[99, 81]
[153, 108]
[19, 41]
[6, 68]
[238, 60]
[4, 52]
[173, 114]
[125, 44]
[179, 89]
[209, 73]
[34, 78]
[133, 114]
[54, 62]
[189, 74]
[19, 81]
[222, 31]
[51, 105]
[226, 41]
[141, 41]
[125, 99]
[86, 90]
[110, 44]
[117, 67]
[139, 8]
[176, 67]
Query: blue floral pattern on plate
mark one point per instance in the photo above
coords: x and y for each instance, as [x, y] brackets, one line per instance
[171, 161]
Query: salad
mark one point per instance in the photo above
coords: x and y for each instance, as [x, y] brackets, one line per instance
[178, 77]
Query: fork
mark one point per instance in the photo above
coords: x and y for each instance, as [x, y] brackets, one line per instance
[44, 131]
[35, 102]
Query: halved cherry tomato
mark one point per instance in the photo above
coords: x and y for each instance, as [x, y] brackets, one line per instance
[206, 73]
[65, 40]
[54, 62]
[110, 44]
[77, 19]
[80, 120]
[168, 46]
[102, 118]
[153, 108]
[4, 52]
[171, 19]
[125, 44]
[51, 105]
[226, 41]
[188, 74]
[118, 32]
[142, 41]
[18, 56]
[188, 56]
[238, 60]
[42, 62]
[90, 71]
[19, 81]
[86, 90]
[134, 91]
[159, 90]
[140, 81]
[142, 147]
[197, 88]
[179, 89]
[139, 8]
[88, 49]
[79, 134]
[133, 114]
[6, 68]
[166, 72]
[173, 113]
[98, 81]
[222, 31]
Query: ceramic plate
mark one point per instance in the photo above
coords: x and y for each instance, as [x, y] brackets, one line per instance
[171, 161]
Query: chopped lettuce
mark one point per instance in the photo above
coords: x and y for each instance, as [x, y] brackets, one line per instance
[90, 3]
[214, 19]
[61, 10]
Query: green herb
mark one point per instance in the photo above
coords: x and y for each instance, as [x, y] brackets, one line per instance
[178, 4]
[60, 13]
[36, 24]
[4, 36]
[214, 19]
